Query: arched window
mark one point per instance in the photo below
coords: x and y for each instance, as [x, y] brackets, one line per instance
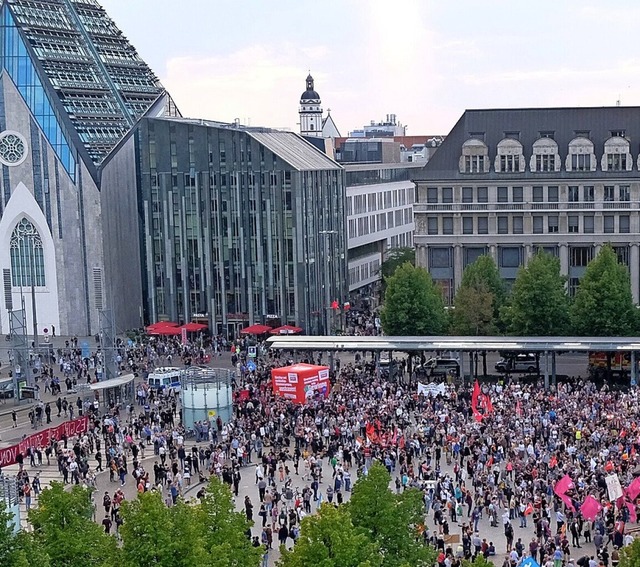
[509, 158]
[616, 155]
[27, 255]
[580, 156]
[545, 155]
[475, 157]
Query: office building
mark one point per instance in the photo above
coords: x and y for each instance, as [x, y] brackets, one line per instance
[508, 182]
[71, 85]
[234, 225]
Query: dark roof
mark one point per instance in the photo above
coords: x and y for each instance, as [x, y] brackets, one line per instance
[530, 123]
[309, 95]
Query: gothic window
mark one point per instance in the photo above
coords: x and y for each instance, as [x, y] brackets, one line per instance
[27, 255]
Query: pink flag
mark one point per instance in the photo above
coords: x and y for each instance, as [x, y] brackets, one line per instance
[564, 484]
[633, 489]
[590, 508]
[567, 502]
[632, 512]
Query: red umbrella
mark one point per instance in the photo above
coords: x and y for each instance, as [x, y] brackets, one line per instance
[161, 325]
[166, 331]
[286, 330]
[255, 330]
[194, 327]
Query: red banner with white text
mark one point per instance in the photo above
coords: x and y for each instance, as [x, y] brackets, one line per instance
[43, 438]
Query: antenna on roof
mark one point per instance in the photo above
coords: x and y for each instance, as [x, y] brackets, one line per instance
[619, 101]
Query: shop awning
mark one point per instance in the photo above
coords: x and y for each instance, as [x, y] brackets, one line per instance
[194, 327]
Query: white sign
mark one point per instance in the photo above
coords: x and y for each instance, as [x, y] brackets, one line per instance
[614, 487]
[431, 389]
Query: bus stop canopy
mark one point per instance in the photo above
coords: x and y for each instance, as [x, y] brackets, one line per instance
[113, 383]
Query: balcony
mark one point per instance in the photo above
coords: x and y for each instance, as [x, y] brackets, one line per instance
[526, 207]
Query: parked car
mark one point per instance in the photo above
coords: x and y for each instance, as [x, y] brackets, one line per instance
[6, 389]
[441, 367]
[522, 362]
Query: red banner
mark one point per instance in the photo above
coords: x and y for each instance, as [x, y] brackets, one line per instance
[42, 438]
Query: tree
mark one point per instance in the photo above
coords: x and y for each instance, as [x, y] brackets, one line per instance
[390, 520]
[473, 313]
[413, 304]
[603, 305]
[64, 527]
[394, 258]
[630, 554]
[329, 539]
[153, 534]
[539, 304]
[223, 529]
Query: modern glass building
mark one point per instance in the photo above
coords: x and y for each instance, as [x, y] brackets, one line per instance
[237, 226]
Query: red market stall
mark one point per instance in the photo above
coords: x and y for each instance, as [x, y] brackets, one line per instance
[300, 381]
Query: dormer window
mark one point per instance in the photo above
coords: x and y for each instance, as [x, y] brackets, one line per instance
[475, 157]
[509, 158]
[616, 155]
[580, 156]
[545, 155]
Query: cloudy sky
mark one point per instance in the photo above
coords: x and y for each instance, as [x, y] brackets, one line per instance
[426, 61]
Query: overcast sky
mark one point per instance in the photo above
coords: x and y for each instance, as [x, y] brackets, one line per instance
[425, 61]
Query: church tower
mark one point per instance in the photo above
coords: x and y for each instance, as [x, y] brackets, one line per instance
[310, 111]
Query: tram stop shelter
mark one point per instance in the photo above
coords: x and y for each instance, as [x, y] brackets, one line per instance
[118, 390]
[300, 381]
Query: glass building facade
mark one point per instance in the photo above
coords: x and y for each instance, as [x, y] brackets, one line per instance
[240, 226]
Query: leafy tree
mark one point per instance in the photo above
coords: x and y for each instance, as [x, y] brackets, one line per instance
[483, 273]
[153, 534]
[630, 554]
[539, 304]
[223, 529]
[63, 525]
[390, 520]
[473, 313]
[478, 561]
[603, 305]
[413, 304]
[394, 258]
[330, 539]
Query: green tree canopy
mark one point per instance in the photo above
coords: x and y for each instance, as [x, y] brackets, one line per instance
[630, 554]
[539, 304]
[390, 520]
[394, 258]
[64, 527]
[413, 304]
[603, 305]
[329, 539]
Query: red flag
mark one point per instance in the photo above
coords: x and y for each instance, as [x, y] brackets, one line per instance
[518, 409]
[474, 401]
[529, 509]
[632, 512]
[564, 484]
[590, 508]
[371, 433]
[394, 439]
[553, 462]
[401, 442]
[488, 406]
[633, 489]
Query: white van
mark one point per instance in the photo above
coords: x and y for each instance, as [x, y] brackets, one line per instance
[165, 378]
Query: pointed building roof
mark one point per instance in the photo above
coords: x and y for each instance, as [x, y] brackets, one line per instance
[310, 95]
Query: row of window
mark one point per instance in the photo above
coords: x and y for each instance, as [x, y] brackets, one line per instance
[535, 194]
[545, 157]
[540, 224]
[376, 223]
[363, 272]
[372, 202]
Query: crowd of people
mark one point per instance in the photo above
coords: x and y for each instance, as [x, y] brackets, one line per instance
[492, 474]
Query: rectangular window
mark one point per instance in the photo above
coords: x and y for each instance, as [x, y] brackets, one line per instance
[609, 193]
[574, 283]
[552, 192]
[552, 223]
[609, 224]
[622, 252]
[588, 224]
[467, 225]
[447, 195]
[574, 195]
[545, 162]
[588, 193]
[432, 225]
[517, 195]
[432, 194]
[503, 225]
[573, 223]
[447, 225]
[483, 194]
[509, 257]
[472, 254]
[616, 162]
[467, 194]
[538, 224]
[537, 194]
[580, 256]
[623, 193]
[518, 224]
[440, 257]
[581, 162]
[624, 224]
[510, 163]
[483, 225]
[503, 194]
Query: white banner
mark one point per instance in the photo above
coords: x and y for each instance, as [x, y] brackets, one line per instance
[614, 487]
[431, 389]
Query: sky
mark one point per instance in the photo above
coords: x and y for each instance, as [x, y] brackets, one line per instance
[425, 61]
